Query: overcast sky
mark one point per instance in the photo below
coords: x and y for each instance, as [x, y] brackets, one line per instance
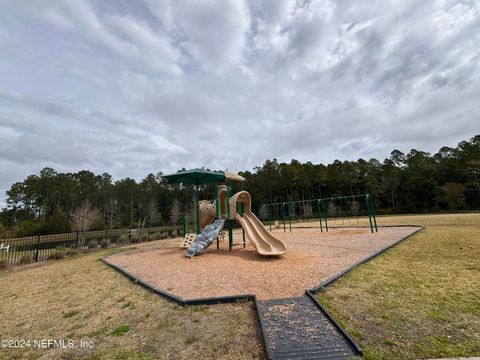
[136, 87]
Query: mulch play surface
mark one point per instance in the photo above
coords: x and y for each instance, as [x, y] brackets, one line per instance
[311, 258]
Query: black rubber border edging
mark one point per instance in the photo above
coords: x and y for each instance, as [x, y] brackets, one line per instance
[353, 344]
[199, 301]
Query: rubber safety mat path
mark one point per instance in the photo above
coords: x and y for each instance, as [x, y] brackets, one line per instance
[296, 328]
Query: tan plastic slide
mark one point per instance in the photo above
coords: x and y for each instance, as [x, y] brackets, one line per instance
[264, 242]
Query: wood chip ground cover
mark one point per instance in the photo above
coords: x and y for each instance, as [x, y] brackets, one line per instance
[311, 257]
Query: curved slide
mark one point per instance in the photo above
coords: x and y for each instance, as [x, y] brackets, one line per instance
[264, 242]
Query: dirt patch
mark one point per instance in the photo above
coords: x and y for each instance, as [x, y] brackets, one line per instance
[311, 257]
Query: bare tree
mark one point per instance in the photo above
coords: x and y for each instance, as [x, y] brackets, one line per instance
[153, 214]
[332, 209]
[307, 210]
[83, 217]
[175, 212]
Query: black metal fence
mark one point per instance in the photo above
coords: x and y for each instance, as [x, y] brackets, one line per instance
[24, 250]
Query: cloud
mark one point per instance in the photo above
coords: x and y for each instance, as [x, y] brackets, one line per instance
[213, 33]
[137, 87]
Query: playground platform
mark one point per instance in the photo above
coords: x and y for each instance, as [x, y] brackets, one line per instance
[312, 258]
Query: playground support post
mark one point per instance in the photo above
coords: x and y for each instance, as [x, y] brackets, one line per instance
[218, 207]
[289, 218]
[319, 215]
[242, 207]
[367, 202]
[269, 217]
[229, 221]
[197, 211]
[185, 220]
[325, 215]
[372, 208]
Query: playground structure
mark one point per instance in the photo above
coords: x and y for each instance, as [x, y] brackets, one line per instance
[341, 210]
[224, 209]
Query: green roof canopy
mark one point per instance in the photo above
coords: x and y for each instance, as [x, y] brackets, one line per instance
[199, 176]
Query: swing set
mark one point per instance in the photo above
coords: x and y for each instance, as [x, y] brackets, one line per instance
[341, 210]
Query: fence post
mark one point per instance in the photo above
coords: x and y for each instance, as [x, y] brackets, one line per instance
[129, 235]
[106, 238]
[36, 250]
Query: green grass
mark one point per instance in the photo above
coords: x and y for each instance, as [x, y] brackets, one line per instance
[120, 330]
[420, 299]
[80, 298]
[70, 313]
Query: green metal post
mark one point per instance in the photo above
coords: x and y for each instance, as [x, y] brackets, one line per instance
[319, 215]
[373, 215]
[197, 212]
[269, 217]
[230, 231]
[289, 218]
[185, 219]
[367, 202]
[325, 214]
[283, 217]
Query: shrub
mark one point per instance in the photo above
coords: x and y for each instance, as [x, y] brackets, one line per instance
[92, 244]
[144, 237]
[72, 252]
[4, 265]
[104, 243]
[123, 239]
[134, 239]
[56, 255]
[114, 238]
[26, 259]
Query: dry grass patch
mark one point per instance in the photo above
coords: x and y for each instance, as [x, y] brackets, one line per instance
[420, 299]
[82, 299]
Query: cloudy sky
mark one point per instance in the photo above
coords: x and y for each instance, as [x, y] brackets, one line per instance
[132, 87]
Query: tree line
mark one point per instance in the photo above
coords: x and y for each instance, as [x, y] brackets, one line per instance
[412, 182]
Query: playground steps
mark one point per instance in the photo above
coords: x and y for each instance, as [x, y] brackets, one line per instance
[296, 328]
[187, 240]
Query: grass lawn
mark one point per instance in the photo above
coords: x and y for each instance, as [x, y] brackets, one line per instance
[421, 299]
[82, 299]
[418, 300]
